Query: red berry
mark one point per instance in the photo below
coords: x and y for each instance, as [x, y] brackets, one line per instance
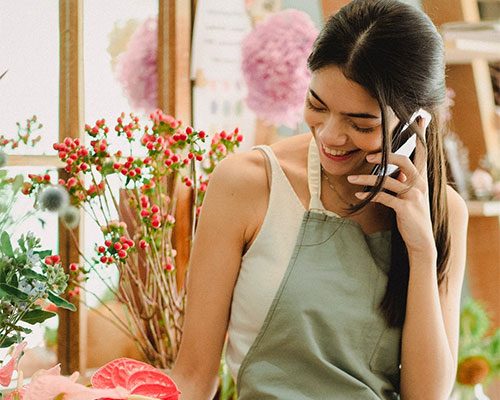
[239, 138]
[143, 244]
[169, 267]
[117, 246]
[144, 213]
[56, 259]
[48, 260]
[189, 130]
[199, 157]
[155, 209]
[108, 243]
[190, 156]
[46, 177]
[223, 134]
[202, 134]
[122, 254]
[124, 171]
[125, 246]
[101, 249]
[156, 223]
[104, 259]
[73, 267]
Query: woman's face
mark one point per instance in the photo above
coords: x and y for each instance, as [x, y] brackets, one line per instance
[345, 121]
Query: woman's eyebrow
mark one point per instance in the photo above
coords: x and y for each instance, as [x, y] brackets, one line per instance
[353, 115]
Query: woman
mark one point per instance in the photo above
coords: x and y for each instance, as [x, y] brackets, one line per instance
[325, 290]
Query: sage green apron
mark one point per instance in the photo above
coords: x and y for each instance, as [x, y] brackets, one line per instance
[323, 336]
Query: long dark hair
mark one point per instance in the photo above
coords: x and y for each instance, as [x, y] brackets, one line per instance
[394, 51]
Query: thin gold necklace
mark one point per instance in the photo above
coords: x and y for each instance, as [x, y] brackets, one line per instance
[323, 172]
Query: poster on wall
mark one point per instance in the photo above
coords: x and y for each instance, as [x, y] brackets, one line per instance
[219, 88]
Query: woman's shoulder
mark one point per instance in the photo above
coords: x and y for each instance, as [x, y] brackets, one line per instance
[457, 208]
[246, 170]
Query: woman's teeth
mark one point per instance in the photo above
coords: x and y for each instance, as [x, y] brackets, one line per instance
[335, 152]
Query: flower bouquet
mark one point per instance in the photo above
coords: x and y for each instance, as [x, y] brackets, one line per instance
[132, 196]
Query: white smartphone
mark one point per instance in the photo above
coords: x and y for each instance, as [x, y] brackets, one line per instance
[408, 147]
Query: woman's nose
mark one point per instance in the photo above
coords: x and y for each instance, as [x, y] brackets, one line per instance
[333, 133]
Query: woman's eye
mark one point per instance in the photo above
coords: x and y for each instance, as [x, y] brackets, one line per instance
[363, 130]
[313, 107]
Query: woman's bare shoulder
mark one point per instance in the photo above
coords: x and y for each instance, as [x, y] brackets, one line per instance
[292, 149]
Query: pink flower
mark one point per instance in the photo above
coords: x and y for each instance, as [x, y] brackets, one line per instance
[136, 68]
[137, 377]
[8, 369]
[482, 182]
[275, 66]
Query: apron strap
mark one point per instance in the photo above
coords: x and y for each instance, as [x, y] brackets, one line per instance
[314, 177]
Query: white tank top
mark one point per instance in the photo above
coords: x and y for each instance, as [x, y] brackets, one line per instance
[265, 262]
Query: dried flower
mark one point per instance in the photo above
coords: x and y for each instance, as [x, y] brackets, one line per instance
[274, 66]
[54, 198]
[472, 370]
[70, 216]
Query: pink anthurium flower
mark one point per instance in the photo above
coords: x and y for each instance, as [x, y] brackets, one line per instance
[141, 379]
[8, 369]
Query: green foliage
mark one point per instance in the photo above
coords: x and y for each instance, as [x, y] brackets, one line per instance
[26, 281]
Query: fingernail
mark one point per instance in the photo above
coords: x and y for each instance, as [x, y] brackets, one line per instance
[352, 178]
[360, 195]
[370, 157]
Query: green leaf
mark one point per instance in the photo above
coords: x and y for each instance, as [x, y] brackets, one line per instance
[6, 246]
[11, 291]
[36, 316]
[43, 253]
[18, 183]
[29, 273]
[60, 302]
[8, 341]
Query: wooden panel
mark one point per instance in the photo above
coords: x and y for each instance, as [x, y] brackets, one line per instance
[71, 337]
[483, 266]
[174, 98]
[443, 11]
[174, 48]
[330, 7]
[34, 161]
[474, 112]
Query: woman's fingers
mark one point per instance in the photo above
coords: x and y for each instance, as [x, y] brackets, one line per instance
[391, 184]
[410, 172]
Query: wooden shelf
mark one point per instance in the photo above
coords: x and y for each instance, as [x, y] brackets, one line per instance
[465, 42]
[483, 208]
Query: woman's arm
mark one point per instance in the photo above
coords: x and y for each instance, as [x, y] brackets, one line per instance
[221, 235]
[430, 332]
